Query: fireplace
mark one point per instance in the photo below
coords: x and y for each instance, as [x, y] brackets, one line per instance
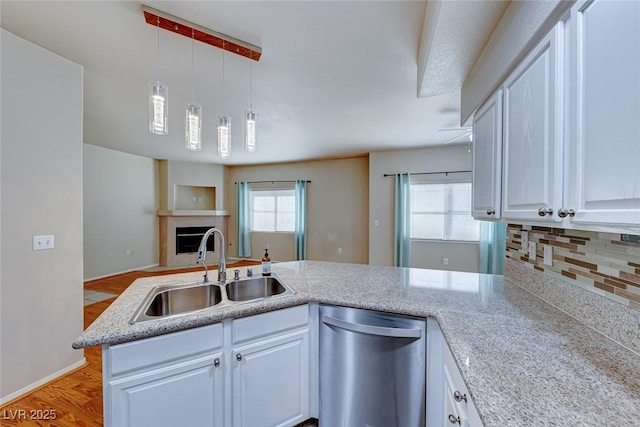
[182, 231]
[188, 239]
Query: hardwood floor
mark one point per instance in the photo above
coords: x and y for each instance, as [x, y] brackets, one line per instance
[75, 400]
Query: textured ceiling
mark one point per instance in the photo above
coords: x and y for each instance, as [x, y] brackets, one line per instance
[336, 78]
[455, 34]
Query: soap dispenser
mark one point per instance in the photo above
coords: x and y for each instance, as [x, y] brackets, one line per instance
[266, 264]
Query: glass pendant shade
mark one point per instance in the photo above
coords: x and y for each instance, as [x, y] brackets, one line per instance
[158, 108]
[224, 137]
[250, 131]
[193, 127]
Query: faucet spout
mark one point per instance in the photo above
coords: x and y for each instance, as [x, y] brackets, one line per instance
[202, 255]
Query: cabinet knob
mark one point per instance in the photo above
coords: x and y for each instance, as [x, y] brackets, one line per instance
[562, 213]
[544, 212]
[239, 357]
[216, 362]
[491, 211]
[459, 397]
[453, 419]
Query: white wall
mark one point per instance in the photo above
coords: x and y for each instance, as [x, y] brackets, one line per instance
[337, 204]
[41, 312]
[120, 203]
[462, 256]
[522, 25]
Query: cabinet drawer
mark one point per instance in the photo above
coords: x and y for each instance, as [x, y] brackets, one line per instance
[125, 357]
[260, 325]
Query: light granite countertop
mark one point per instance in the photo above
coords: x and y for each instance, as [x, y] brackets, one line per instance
[525, 362]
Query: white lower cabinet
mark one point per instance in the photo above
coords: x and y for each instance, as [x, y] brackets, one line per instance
[271, 369]
[271, 381]
[168, 380]
[253, 371]
[448, 400]
[188, 393]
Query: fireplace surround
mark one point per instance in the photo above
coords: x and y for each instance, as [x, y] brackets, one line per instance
[192, 226]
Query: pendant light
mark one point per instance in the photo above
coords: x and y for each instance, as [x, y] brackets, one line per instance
[224, 125]
[193, 118]
[251, 118]
[158, 99]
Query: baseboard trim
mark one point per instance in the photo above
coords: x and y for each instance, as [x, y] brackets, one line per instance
[44, 381]
[144, 267]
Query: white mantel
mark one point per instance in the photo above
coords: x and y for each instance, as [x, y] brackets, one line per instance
[164, 212]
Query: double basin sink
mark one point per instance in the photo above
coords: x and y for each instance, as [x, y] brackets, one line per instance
[171, 300]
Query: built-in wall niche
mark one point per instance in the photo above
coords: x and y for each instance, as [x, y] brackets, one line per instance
[191, 197]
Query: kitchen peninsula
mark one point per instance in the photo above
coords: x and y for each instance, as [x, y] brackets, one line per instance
[524, 362]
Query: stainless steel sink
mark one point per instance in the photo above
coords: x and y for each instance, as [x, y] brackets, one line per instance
[254, 288]
[172, 300]
[164, 301]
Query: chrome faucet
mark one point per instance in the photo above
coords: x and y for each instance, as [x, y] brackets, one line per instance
[202, 255]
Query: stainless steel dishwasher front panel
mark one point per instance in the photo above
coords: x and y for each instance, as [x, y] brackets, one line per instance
[372, 369]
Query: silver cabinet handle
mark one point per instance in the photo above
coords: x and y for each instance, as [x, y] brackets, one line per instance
[453, 419]
[544, 212]
[239, 357]
[491, 211]
[372, 330]
[563, 213]
[459, 397]
[216, 362]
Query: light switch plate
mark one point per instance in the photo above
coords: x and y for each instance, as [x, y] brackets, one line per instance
[532, 250]
[524, 236]
[43, 242]
[548, 255]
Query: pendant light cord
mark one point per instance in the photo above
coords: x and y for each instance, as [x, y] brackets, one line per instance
[222, 89]
[250, 81]
[158, 49]
[193, 67]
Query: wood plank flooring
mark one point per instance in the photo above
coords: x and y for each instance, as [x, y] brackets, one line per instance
[75, 400]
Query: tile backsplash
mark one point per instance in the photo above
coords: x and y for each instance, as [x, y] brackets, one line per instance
[599, 262]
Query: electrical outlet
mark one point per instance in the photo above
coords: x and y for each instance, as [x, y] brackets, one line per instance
[445, 261]
[128, 252]
[43, 242]
[524, 238]
[339, 250]
[548, 255]
[532, 251]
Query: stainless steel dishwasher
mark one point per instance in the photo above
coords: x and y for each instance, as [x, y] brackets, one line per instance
[372, 369]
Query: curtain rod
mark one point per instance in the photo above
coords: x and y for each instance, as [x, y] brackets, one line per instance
[273, 182]
[429, 173]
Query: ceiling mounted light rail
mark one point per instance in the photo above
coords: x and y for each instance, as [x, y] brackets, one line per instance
[202, 34]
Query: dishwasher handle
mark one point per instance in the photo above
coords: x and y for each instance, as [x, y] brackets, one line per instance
[372, 330]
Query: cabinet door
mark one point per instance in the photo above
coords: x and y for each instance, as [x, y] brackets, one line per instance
[532, 176]
[487, 159]
[458, 406]
[271, 381]
[188, 393]
[605, 112]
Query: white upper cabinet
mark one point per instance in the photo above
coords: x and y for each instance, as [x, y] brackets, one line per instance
[487, 159]
[604, 132]
[533, 170]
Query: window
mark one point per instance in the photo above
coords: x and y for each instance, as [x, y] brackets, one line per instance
[442, 211]
[272, 210]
